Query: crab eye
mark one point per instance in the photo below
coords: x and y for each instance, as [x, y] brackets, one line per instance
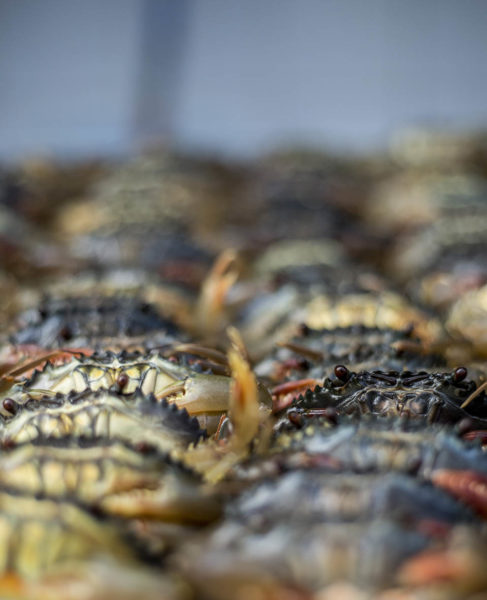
[459, 374]
[122, 380]
[10, 406]
[342, 373]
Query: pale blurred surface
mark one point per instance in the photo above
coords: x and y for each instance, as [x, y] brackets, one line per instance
[233, 76]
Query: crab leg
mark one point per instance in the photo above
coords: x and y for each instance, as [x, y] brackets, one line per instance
[307, 352]
[473, 395]
[285, 393]
[210, 353]
[9, 377]
[480, 434]
[468, 486]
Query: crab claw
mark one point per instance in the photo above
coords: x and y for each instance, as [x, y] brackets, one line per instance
[211, 305]
[248, 405]
[206, 397]
[200, 394]
[468, 486]
[244, 403]
[203, 396]
[179, 500]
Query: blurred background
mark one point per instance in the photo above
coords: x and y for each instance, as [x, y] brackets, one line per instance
[234, 77]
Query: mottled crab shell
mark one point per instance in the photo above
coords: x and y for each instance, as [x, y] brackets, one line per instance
[39, 535]
[467, 321]
[202, 394]
[343, 496]
[384, 309]
[371, 444]
[153, 188]
[303, 556]
[136, 418]
[366, 348]
[167, 298]
[445, 260]
[124, 372]
[115, 476]
[327, 297]
[336, 504]
[174, 255]
[297, 196]
[436, 397]
[92, 320]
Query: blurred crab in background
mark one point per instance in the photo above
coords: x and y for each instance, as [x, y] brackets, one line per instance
[247, 381]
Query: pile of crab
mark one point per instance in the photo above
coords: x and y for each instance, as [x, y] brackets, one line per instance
[265, 381]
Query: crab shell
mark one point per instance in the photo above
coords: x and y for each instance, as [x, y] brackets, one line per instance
[135, 418]
[81, 321]
[40, 535]
[467, 321]
[435, 397]
[314, 351]
[203, 395]
[117, 477]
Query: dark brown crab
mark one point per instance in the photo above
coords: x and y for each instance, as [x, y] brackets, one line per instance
[300, 363]
[435, 397]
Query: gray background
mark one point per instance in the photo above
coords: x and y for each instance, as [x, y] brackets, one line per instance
[235, 76]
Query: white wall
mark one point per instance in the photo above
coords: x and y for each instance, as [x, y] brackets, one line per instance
[345, 71]
[68, 71]
[82, 76]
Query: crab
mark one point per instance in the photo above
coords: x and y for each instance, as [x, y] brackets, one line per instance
[92, 321]
[133, 417]
[204, 395]
[435, 397]
[42, 534]
[299, 364]
[113, 475]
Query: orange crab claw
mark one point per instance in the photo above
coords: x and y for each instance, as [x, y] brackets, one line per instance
[284, 394]
[283, 368]
[244, 395]
[468, 486]
[24, 358]
[210, 315]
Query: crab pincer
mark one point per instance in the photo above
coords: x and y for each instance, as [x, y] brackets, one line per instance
[206, 397]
